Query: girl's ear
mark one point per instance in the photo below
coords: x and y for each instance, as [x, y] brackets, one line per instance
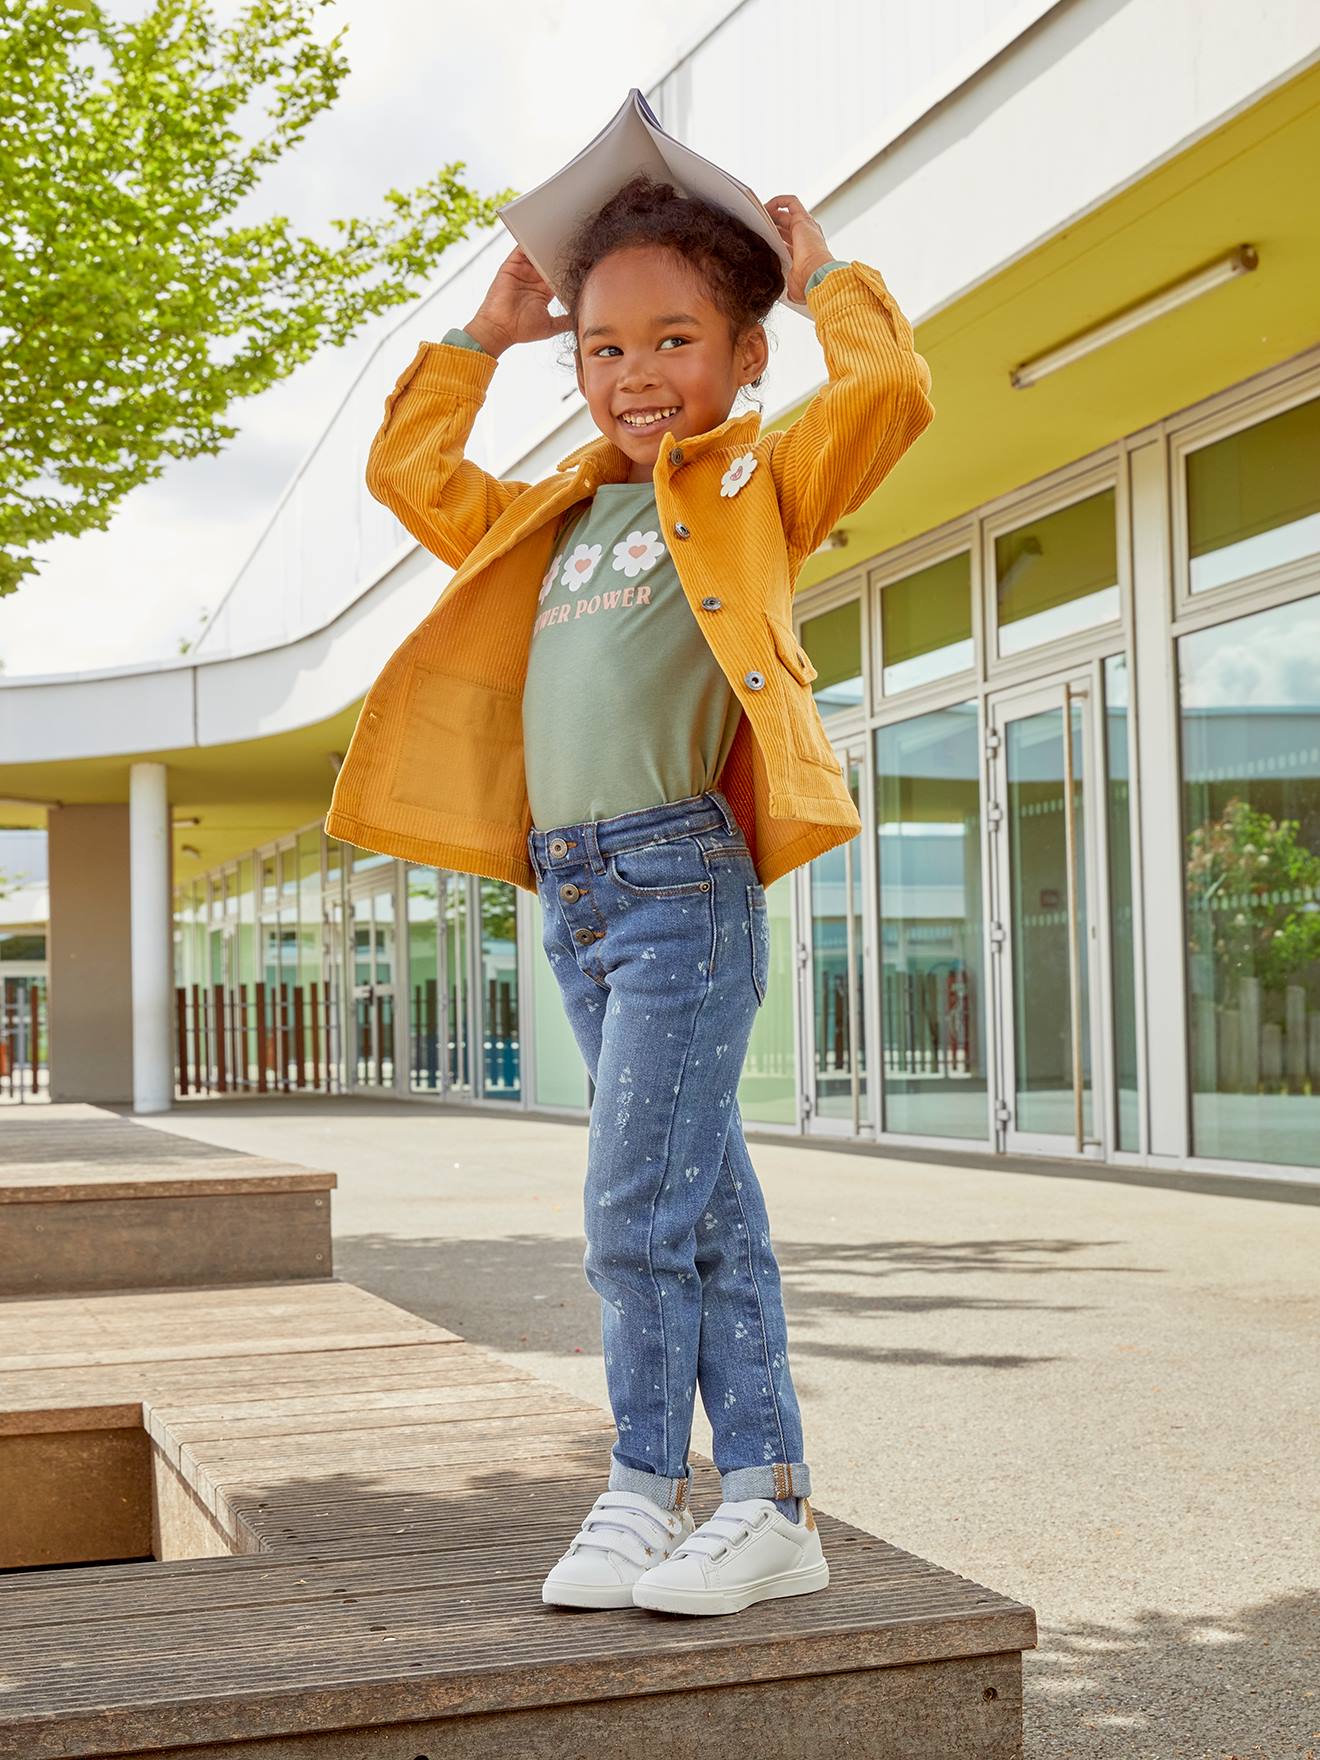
[577, 367]
[753, 354]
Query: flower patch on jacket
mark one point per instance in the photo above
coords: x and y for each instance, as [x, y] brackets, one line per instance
[637, 552]
[581, 565]
[738, 473]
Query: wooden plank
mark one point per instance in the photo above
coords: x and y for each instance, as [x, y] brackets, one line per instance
[153, 1325]
[101, 1244]
[365, 1372]
[73, 1182]
[971, 1709]
[74, 1494]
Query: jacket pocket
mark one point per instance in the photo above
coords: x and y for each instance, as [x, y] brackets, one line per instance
[809, 738]
[790, 651]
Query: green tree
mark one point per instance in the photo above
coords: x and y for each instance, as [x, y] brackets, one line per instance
[1254, 895]
[135, 310]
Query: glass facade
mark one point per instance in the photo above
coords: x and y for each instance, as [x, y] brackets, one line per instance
[926, 625]
[1253, 499]
[979, 966]
[1249, 692]
[1122, 911]
[1057, 576]
[833, 639]
[932, 927]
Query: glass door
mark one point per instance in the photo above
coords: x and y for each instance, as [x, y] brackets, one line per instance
[1046, 929]
[373, 985]
[832, 961]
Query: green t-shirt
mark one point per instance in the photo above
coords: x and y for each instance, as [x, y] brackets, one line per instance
[624, 705]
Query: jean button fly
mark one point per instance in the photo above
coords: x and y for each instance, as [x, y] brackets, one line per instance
[558, 847]
[569, 891]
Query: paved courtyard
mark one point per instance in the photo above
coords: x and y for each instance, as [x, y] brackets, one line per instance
[1102, 1398]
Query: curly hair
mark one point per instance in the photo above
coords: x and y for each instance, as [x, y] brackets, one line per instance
[742, 271]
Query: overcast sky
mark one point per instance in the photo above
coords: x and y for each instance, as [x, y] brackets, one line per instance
[514, 90]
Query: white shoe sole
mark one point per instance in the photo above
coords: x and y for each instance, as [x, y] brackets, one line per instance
[802, 1582]
[597, 1595]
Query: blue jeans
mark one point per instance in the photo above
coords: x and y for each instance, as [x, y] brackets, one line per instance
[656, 928]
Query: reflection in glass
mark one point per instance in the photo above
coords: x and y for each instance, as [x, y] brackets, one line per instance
[839, 997]
[501, 1076]
[1250, 696]
[928, 814]
[454, 892]
[373, 988]
[1253, 498]
[1038, 891]
[1057, 575]
[834, 642]
[423, 888]
[926, 624]
[1118, 807]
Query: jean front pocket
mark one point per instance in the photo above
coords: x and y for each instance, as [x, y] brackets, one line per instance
[758, 927]
[672, 868]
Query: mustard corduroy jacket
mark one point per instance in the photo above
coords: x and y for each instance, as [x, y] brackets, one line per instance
[434, 771]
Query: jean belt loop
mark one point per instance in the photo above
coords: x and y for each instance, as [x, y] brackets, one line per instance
[592, 843]
[724, 809]
[531, 856]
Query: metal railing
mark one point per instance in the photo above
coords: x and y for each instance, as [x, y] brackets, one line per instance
[24, 1048]
[256, 1038]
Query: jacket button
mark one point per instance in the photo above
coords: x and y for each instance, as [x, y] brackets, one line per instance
[681, 531]
[753, 680]
[709, 603]
[676, 456]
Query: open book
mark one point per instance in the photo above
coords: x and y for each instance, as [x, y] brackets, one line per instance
[631, 141]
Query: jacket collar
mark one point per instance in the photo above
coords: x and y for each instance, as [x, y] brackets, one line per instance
[604, 462]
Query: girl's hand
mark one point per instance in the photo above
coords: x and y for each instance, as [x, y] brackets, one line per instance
[804, 239]
[515, 307]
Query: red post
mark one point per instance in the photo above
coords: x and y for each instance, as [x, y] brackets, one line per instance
[221, 1080]
[259, 991]
[181, 1031]
[241, 1006]
[314, 996]
[201, 1082]
[299, 1044]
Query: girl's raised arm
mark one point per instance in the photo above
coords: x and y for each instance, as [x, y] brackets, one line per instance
[416, 466]
[873, 406]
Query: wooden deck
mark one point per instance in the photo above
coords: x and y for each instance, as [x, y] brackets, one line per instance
[352, 1511]
[92, 1201]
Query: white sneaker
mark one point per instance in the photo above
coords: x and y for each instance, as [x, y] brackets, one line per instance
[747, 1551]
[621, 1534]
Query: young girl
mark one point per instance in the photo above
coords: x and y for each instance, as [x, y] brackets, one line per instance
[660, 778]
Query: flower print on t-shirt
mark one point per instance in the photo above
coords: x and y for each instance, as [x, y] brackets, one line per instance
[638, 552]
[548, 578]
[581, 565]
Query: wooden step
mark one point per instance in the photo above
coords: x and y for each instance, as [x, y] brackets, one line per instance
[95, 1202]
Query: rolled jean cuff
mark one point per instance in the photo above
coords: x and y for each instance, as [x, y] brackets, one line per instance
[775, 1479]
[668, 1493]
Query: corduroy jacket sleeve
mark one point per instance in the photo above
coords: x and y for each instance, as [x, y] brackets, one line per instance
[416, 465]
[861, 422]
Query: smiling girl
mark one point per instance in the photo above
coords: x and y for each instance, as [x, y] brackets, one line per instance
[671, 761]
